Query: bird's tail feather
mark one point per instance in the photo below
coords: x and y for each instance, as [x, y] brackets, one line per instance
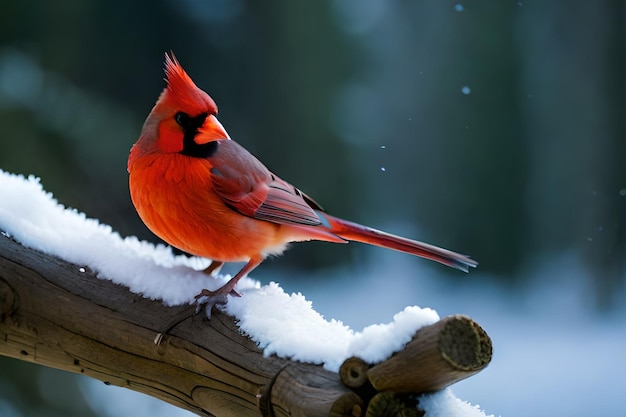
[359, 233]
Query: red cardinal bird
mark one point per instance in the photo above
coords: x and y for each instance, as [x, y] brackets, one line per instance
[205, 194]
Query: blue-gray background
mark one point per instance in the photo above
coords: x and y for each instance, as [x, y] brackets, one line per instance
[491, 128]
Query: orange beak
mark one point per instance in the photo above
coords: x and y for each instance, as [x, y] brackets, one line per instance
[211, 130]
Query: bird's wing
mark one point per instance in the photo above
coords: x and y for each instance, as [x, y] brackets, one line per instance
[248, 187]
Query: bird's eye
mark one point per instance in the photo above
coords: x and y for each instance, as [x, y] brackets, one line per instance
[182, 119]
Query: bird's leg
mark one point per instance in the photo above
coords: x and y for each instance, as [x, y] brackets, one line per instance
[209, 298]
[214, 268]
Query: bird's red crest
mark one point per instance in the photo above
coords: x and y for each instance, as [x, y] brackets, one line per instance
[182, 89]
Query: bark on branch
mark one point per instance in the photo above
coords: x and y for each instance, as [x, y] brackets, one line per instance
[60, 315]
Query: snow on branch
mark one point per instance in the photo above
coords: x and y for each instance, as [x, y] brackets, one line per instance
[56, 312]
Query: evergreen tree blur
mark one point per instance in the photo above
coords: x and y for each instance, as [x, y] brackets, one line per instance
[492, 128]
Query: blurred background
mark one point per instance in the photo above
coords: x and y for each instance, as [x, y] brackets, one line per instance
[490, 128]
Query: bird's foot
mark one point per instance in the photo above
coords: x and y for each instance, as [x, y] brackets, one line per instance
[208, 299]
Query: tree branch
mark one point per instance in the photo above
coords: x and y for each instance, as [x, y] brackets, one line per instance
[60, 315]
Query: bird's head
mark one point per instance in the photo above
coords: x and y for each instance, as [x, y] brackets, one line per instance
[184, 118]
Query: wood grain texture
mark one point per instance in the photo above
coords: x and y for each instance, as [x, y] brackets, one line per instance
[452, 349]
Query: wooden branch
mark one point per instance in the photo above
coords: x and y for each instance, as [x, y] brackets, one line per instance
[439, 355]
[57, 314]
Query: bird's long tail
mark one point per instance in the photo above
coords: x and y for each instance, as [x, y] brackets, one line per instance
[359, 233]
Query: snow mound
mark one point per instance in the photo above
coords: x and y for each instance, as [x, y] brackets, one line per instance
[282, 324]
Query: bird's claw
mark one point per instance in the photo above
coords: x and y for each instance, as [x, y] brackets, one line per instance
[208, 299]
[208, 302]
